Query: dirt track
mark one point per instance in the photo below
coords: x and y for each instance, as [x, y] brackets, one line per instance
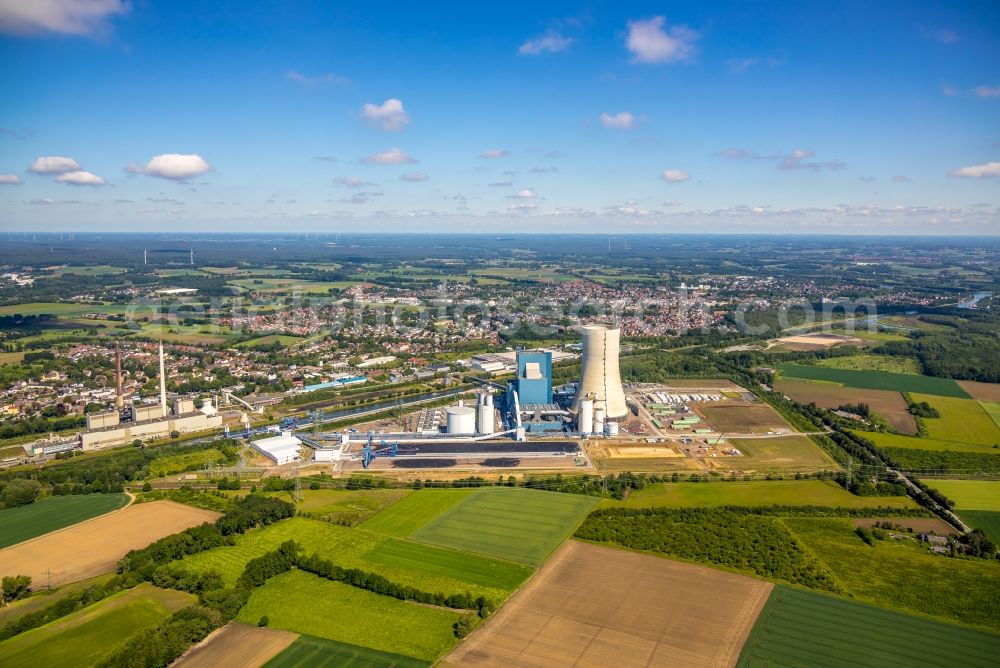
[94, 547]
[237, 644]
[596, 606]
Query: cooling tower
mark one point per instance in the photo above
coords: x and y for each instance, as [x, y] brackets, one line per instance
[600, 378]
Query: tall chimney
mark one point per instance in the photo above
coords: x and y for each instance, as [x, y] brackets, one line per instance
[119, 401]
[163, 384]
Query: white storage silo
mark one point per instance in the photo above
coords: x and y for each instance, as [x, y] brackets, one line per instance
[585, 419]
[461, 420]
[486, 415]
[599, 420]
[611, 429]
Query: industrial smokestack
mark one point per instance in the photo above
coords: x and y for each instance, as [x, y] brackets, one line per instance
[600, 377]
[119, 401]
[163, 384]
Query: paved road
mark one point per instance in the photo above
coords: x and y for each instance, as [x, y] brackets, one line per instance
[952, 517]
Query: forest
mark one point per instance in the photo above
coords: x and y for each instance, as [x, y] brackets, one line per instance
[751, 543]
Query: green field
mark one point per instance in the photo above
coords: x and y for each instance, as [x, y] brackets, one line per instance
[55, 512]
[192, 334]
[754, 493]
[962, 420]
[903, 575]
[291, 285]
[347, 507]
[182, 462]
[804, 628]
[875, 380]
[992, 409]
[312, 652]
[884, 440]
[283, 339]
[355, 548]
[543, 274]
[784, 452]
[520, 524]
[873, 363]
[43, 599]
[987, 521]
[59, 308]
[88, 270]
[87, 636]
[436, 561]
[977, 502]
[971, 494]
[304, 603]
[403, 518]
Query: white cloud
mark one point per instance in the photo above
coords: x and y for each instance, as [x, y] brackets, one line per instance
[623, 120]
[741, 65]
[493, 153]
[42, 201]
[500, 184]
[53, 165]
[81, 178]
[986, 91]
[310, 82]
[414, 177]
[901, 179]
[949, 90]
[10, 180]
[675, 176]
[736, 153]
[786, 161]
[70, 17]
[527, 193]
[990, 170]
[550, 42]
[522, 208]
[796, 160]
[393, 156]
[650, 42]
[173, 166]
[389, 115]
[352, 181]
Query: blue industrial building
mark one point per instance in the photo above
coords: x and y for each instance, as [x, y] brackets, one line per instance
[533, 409]
[534, 377]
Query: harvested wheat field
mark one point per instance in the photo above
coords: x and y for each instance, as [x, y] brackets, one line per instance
[94, 547]
[237, 644]
[886, 403]
[742, 418]
[596, 606]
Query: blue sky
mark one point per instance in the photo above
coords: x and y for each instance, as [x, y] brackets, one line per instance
[802, 117]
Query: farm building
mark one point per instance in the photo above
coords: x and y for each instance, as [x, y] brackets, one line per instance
[283, 449]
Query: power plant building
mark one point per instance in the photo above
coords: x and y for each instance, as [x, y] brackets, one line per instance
[129, 423]
[534, 377]
[600, 377]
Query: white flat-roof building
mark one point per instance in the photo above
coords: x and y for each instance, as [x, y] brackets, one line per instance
[283, 449]
[327, 454]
